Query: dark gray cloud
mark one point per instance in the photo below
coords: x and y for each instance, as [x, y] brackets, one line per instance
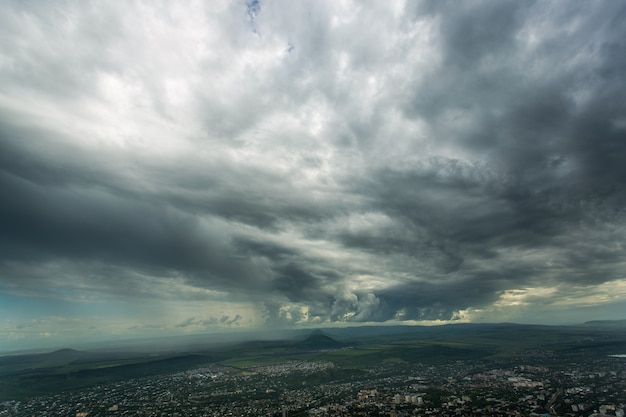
[316, 163]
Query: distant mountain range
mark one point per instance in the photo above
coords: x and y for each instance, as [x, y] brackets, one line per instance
[348, 334]
[606, 323]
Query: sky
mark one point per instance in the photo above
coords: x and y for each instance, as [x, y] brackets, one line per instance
[194, 167]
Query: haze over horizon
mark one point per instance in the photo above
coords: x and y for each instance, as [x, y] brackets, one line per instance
[197, 167]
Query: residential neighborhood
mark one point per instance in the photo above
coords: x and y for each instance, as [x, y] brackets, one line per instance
[596, 388]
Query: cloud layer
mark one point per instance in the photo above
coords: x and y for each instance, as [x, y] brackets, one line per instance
[314, 162]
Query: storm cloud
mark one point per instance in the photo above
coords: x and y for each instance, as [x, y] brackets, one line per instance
[274, 163]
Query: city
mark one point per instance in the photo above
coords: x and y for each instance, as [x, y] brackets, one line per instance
[595, 387]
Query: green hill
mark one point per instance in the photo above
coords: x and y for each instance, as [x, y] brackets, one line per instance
[319, 340]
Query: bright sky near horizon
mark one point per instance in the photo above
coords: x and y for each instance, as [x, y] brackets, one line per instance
[190, 166]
